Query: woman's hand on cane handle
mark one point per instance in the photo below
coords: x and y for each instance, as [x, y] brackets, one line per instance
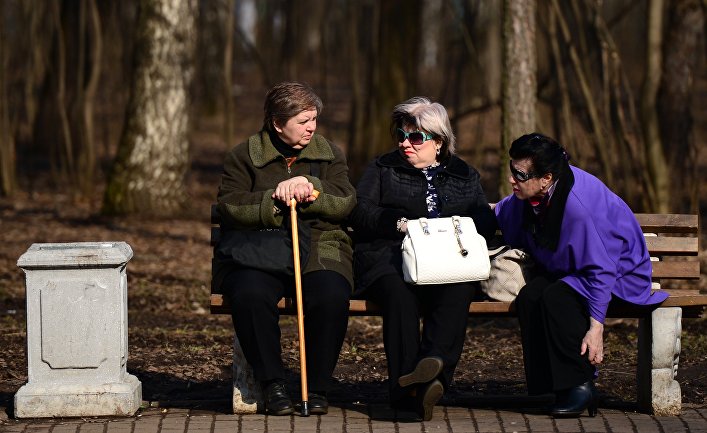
[299, 188]
[312, 196]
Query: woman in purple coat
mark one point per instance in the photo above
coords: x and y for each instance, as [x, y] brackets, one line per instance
[591, 250]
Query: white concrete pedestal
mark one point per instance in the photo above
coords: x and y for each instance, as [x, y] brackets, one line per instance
[658, 358]
[77, 332]
[247, 395]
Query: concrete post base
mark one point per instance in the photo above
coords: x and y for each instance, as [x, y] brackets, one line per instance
[247, 395]
[75, 400]
[658, 357]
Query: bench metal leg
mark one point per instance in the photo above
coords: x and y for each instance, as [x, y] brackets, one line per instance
[658, 357]
[247, 395]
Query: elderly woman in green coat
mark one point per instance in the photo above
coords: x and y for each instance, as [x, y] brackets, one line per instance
[287, 160]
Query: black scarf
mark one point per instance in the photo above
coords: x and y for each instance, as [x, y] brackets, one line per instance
[546, 226]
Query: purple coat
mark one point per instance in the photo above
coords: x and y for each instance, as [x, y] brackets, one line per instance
[600, 250]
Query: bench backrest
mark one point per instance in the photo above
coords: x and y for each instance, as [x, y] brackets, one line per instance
[672, 239]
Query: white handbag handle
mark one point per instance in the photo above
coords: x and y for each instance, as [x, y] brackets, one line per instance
[457, 231]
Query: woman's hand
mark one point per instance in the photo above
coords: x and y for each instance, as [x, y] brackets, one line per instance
[297, 187]
[594, 341]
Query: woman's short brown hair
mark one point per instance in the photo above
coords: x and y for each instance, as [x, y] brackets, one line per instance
[286, 100]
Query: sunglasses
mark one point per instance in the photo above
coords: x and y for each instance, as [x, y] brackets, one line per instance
[416, 138]
[521, 176]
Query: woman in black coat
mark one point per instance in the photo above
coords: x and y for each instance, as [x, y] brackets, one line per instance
[421, 178]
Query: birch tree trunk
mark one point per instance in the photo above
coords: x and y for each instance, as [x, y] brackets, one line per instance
[519, 79]
[148, 173]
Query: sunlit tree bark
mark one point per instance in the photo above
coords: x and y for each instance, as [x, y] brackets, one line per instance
[519, 81]
[148, 173]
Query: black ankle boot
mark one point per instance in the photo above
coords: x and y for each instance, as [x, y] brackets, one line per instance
[277, 402]
[572, 402]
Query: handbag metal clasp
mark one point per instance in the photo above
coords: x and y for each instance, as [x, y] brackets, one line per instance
[425, 226]
[458, 231]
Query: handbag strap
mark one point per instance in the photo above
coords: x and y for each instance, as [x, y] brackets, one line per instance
[457, 232]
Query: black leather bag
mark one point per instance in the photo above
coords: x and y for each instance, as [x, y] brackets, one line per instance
[268, 250]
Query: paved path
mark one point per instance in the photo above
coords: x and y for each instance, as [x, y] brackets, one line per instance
[361, 418]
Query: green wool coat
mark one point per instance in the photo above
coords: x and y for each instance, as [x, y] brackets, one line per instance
[253, 169]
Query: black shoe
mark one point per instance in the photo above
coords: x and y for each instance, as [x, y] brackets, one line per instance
[426, 370]
[318, 404]
[572, 402]
[427, 397]
[277, 402]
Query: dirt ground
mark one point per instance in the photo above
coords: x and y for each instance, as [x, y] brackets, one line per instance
[182, 354]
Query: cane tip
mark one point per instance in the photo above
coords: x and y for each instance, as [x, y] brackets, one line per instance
[305, 408]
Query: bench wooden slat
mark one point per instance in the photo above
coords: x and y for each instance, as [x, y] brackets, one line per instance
[658, 223]
[683, 270]
[668, 223]
[215, 235]
[666, 245]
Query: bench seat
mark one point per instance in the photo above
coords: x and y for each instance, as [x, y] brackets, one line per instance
[691, 302]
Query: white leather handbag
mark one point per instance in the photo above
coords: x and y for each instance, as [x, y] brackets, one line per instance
[443, 251]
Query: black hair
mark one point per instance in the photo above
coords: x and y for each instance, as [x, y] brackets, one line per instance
[545, 154]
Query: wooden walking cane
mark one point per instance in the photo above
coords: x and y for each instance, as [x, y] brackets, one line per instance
[300, 313]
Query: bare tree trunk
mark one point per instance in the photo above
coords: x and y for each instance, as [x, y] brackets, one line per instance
[87, 94]
[519, 79]
[66, 153]
[391, 79]
[148, 174]
[37, 15]
[683, 55]
[228, 74]
[656, 162]
[8, 163]
[357, 83]
[565, 124]
[603, 144]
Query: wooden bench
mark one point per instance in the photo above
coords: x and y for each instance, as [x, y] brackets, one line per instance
[673, 242]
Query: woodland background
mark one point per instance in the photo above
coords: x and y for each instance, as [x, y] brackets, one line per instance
[105, 96]
[115, 117]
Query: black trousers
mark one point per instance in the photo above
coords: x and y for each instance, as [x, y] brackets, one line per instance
[444, 310]
[254, 295]
[553, 321]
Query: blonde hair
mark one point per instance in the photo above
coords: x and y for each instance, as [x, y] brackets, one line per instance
[427, 116]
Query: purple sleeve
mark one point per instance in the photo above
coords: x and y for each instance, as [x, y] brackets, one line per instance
[594, 271]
